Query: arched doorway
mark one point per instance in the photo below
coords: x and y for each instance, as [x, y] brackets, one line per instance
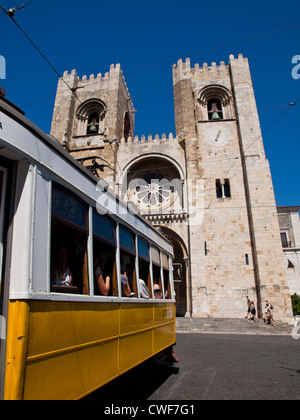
[180, 270]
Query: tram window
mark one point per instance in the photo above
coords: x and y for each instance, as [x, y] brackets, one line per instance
[156, 267]
[68, 260]
[158, 294]
[144, 270]
[166, 268]
[167, 284]
[69, 267]
[104, 248]
[104, 269]
[128, 270]
[127, 246]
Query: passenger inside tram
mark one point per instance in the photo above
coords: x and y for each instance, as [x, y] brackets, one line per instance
[157, 292]
[157, 282]
[127, 274]
[144, 279]
[144, 291]
[104, 261]
[61, 273]
[102, 278]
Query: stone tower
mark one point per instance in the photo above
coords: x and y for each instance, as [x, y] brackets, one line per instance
[208, 189]
[91, 118]
[236, 250]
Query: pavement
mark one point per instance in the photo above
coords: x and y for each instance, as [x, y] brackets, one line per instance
[231, 326]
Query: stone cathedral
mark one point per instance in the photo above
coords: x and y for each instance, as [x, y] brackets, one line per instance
[208, 188]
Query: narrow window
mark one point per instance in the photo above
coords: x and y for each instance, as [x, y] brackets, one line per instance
[247, 259]
[127, 127]
[104, 249]
[284, 239]
[205, 249]
[69, 231]
[290, 264]
[227, 191]
[219, 188]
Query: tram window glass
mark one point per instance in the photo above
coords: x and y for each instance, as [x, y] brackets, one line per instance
[166, 268]
[127, 240]
[127, 246]
[104, 228]
[144, 270]
[69, 267]
[69, 208]
[104, 249]
[156, 267]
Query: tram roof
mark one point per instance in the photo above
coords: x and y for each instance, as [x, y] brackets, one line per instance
[14, 112]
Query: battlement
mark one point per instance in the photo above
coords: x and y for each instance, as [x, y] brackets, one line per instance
[150, 138]
[115, 70]
[74, 80]
[183, 69]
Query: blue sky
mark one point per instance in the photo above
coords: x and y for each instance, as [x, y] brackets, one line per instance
[146, 38]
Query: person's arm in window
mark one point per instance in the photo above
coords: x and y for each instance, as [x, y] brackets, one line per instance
[126, 292]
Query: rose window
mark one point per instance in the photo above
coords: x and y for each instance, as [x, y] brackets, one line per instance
[152, 192]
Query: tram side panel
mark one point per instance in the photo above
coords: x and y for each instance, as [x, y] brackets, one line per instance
[73, 348]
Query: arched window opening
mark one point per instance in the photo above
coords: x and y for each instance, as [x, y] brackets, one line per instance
[215, 103]
[223, 189]
[227, 191]
[219, 189]
[127, 126]
[90, 118]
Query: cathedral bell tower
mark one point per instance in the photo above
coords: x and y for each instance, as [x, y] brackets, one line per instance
[235, 246]
[92, 117]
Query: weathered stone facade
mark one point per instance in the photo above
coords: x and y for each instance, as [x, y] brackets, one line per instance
[289, 224]
[209, 189]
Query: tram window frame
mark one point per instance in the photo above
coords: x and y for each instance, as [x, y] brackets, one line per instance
[144, 266]
[76, 246]
[99, 241]
[128, 261]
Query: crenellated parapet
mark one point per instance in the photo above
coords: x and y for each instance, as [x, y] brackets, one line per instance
[183, 69]
[148, 139]
[115, 72]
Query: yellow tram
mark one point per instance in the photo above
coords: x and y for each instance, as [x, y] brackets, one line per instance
[62, 337]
